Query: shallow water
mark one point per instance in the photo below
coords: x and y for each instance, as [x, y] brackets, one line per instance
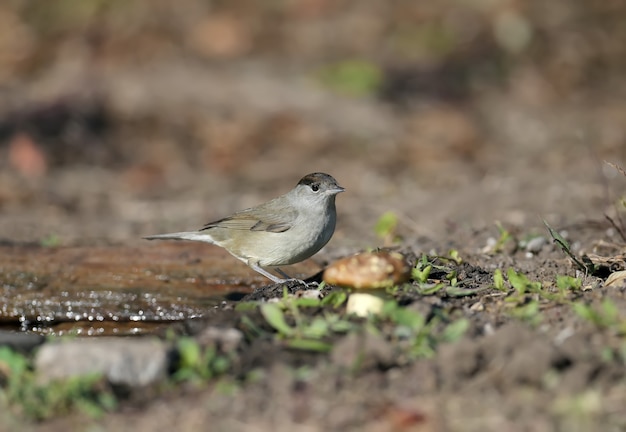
[116, 290]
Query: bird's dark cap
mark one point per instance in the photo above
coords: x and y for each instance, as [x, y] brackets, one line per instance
[325, 180]
[310, 179]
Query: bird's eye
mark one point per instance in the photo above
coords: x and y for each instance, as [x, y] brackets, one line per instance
[315, 187]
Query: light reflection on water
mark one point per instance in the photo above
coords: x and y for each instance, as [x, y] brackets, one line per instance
[99, 312]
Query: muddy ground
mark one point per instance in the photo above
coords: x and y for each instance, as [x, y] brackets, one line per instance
[124, 121]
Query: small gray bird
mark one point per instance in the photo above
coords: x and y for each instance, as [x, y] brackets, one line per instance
[283, 231]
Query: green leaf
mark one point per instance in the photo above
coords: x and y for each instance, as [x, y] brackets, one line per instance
[275, 317]
[341, 326]
[455, 330]
[421, 275]
[403, 316]
[352, 77]
[309, 345]
[558, 238]
[335, 299]
[246, 306]
[584, 311]
[504, 237]
[454, 255]
[610, 313]
[528, 312]
[498, 280]
[429, 289]
[453, 291]
[521, 283]
[51, 240]
[306, 302]
[386, 225]
[568, 283]
[189, 352]
[317, 329]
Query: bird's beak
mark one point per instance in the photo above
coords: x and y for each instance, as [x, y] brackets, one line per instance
[335, 190]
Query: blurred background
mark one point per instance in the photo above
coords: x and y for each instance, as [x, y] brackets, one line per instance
[126, 118]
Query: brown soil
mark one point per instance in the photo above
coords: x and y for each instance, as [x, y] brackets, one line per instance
[214, 111]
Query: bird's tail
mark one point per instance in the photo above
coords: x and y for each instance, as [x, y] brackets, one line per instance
[191, 235]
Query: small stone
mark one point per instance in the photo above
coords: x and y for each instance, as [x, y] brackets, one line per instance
[477, 307]
[132, 362]
[364, 304]
[369, 270]
[314, 294]
[535, 245]
[227, 339]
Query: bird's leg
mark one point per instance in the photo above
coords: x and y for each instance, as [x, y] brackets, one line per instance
[285, 275]
[267, 274]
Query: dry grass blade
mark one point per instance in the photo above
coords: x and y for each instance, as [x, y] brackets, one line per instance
[564, 245]
[617, 167]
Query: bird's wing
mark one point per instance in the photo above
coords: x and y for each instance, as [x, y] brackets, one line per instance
[253, 221]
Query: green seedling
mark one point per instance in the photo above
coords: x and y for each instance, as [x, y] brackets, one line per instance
[498, 281]
[429, 289]
[567, 284]
[246, 306]
[504, 237]
[454, 256]
[455, 330]
[524, 286]
[336, 299]
[422, 270]
[423, 336]
[352, 77]
[275, 317]
[197, 363]
[521, 283]
[21, 392]
[51, 240]
[530, 312]
[386, 227]
[250, 328]
[454, 291]
[307, 332]
[605, 317]
[452, 277]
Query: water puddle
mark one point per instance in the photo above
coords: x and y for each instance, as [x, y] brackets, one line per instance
[117, 290]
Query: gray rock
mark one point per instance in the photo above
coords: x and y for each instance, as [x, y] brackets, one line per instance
[133, 362]
[536, 244]
[20, 341]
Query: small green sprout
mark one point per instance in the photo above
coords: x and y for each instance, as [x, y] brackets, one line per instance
[351, 77]
[498, 280]
[386, 227]
[605, 317]
[51, 240]
[521, 283]
[455, 256]
[529, 312]
[503, 238]
[422, 270]
[197, 363]
[568, 283]
[22, 392]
